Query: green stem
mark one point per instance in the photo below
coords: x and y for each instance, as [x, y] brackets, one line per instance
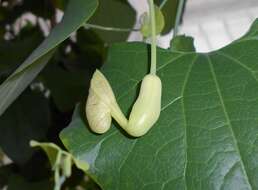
[153, 38]
[162, 4]
[178, 16]
[57, 178]
[87, 25]
[118, 115]
[58, 160]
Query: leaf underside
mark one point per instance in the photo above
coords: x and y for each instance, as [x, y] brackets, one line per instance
[206, 136]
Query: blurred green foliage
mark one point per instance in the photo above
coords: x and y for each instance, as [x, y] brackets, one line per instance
[45, 107]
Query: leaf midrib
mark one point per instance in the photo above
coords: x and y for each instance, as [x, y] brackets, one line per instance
[184, 116]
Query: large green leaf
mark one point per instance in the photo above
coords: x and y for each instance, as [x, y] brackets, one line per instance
[206, 136]
[77, 13]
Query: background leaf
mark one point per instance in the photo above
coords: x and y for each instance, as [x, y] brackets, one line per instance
[68, 89]
[16, 50]
[17, 182]
[52, 150]
[182, 43]
[28, 118]
[114, 13]
[73, 69]
[206, 137]
[77, 13]
[169, 11]
[146, 22]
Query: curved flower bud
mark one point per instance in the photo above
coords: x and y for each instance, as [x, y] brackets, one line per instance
[101, 105]
[146, 109]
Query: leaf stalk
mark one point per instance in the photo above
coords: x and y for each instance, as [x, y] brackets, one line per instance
[153, 38]
[87, 26]
[178, 16]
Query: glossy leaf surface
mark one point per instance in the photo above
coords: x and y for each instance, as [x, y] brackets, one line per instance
[206, 136]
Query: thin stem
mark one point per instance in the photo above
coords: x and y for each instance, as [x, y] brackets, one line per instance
[162, 4]
[118, 115]
[56, 167]
[178, 16]
[58, 160]
[87, 25]
[57, 178]
[153, 38]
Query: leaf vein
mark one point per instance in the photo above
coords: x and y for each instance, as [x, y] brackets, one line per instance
[238, 63]
[228, 119]
[184, 117]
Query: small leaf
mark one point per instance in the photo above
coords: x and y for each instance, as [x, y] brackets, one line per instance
[169, 11]
[77, 13]
[146, 25]
[53, 151]
[182, 43]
